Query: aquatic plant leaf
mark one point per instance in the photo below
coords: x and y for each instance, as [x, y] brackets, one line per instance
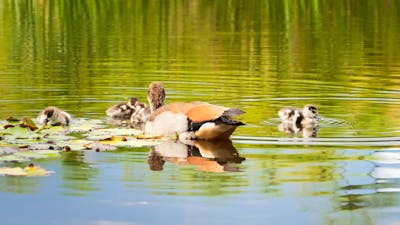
[12, 171]
[38, 154]
[19, 132]
[104, 133]
[48, 129]
[136, 143]
[99, 147]
[8, 149]
[128, 141]
[112, 140]
[74, 145]
[42, 146]
[28, 123]
[81, 125]
[14, 158]
[35, 171]
[12, 119]
[29, 171]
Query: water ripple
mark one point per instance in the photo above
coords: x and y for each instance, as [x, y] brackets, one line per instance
[338, 141]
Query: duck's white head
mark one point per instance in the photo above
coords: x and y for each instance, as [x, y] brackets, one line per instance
[132, 102]
[156, 95]
[310, 112]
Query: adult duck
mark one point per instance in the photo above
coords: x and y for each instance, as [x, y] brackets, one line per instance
[194, 120]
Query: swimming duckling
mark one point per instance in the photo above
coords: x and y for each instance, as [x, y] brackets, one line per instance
[54, 116]
[122, 111]
[194, 120]
[307, 115]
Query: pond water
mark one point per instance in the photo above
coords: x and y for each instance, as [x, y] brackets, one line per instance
[259, 56]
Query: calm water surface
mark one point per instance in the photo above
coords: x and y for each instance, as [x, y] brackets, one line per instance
[260, 56]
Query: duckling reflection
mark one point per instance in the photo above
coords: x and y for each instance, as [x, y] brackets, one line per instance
[309, 130]
[216, 156]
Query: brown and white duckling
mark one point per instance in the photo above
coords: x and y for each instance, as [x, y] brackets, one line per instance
[307, 115]
[53, 115]
[156, 98]
[194, 120]
[122, 111]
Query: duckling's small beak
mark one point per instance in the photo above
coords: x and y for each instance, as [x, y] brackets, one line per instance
[46, 121]
[317, 117]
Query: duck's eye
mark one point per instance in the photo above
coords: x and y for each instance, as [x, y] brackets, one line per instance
[49, 113]
[133, 101]
[312, 109]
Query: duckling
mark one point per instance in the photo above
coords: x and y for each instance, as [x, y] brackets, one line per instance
[156, 98]
[122, 111]
[307, 115]
[140, 116]
[54, 116]
[194, 120]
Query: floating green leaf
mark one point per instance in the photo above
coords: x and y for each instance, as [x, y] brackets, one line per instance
[81, 125]
[8, 149]
[29, 171]
[14, 158]
[104, 133]
[38, 154]
[19, 132]
[99, 147]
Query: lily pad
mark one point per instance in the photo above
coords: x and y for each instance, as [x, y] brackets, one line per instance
[19, 132]
[99, 147]
[104, 133]
[136, 143]
[29, 171]
[80, 125]
[38, 154]
[14, 158]
[28, 123]
[8, 149]
[75, 145]
[12, 119]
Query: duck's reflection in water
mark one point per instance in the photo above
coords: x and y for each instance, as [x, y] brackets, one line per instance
[209, 156]
[306, 130]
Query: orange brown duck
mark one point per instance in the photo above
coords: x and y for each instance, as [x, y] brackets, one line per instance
[194, 120]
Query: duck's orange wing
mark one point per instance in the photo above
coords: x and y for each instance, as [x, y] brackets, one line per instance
[176, 107]
[202, 112]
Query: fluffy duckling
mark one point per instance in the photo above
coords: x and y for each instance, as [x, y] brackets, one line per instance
[195, 120]
[122, 111]
[54, 116]
[307, 115]
[156, 98]
[140, 116]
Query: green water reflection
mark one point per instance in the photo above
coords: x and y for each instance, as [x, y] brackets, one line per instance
[260, 56]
